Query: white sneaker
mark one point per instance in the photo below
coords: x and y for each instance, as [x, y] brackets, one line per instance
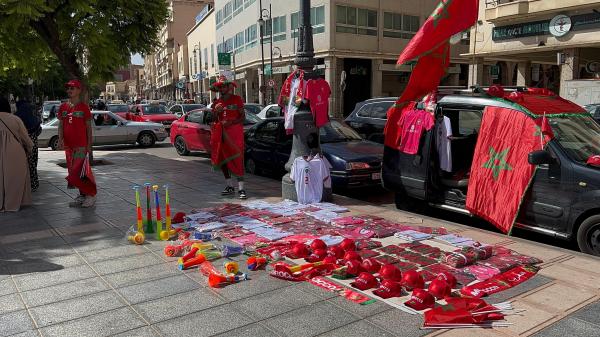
[88, 202]
[78, 201]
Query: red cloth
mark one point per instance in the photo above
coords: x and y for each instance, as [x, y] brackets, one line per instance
[500, 282]
[227, 143]
[542, 101]
[318, 92]
[500, 173]
[74, 120]
[76, 165]
[449, 17]
[412, 124]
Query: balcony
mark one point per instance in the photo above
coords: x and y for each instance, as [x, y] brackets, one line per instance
[507, 10]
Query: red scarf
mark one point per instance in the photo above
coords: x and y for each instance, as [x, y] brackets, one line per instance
[286, 89]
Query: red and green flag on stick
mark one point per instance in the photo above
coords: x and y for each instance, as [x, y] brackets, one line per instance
[430, 49]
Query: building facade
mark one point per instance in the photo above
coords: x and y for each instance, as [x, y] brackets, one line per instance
[202, 56]
[356, 42]
[540, 43]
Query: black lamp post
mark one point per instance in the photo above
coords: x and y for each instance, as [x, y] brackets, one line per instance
[261, 24]
[306, 134]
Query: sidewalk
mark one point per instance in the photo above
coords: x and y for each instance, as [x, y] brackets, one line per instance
[70, 272]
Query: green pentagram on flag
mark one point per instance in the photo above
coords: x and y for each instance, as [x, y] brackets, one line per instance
[497, 162]
[441, 12]
[537, 132]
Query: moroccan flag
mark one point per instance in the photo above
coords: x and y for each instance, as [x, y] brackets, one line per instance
[500, 172]
[430, 48]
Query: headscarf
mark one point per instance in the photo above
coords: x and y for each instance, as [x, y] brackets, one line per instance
[25, 112]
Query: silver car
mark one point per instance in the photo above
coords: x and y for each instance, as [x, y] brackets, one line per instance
[109, 129]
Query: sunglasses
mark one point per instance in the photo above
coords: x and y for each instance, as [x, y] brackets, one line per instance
[72, 88]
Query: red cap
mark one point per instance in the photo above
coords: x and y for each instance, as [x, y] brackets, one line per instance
[365, 281]
[317, 255]
[411, 279]
[178, 218]
[448, 277]
[353, 267]
[420, 300]
[300, 250]
[318, 244]
[352, 255]
[330, 259]
[390, 272]
[439, 288]
[348, 244]
[371, 265]
[388, 288]
[336, 251]
[73, 83]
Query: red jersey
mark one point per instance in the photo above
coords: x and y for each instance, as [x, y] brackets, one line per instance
[317, 92]
[232, 108]
[74, 122]
[412, 124]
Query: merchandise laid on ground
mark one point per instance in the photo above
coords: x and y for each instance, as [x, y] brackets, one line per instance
[364, 258]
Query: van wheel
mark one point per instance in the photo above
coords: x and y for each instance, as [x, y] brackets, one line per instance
[181, 147]
[588, 236]
[54, 143]
[146, 139]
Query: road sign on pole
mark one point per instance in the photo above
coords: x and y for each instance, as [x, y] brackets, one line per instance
[271, 83]
[224, 59]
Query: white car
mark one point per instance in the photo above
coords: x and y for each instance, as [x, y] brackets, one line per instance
[109, 129]
[271, 110]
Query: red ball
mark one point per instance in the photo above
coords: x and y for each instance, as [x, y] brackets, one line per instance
[336, 251]
[352, 255]
[348, 244]
[300, 251]
[371, 265]
[390, 272]
[318, 244]
[353, 267]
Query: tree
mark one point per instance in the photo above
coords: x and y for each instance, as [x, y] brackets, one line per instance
[90, 39]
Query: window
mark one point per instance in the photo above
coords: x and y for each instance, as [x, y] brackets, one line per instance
[229, 45]
[212, 55]
[279, 29]
[400, 26]
[267, 132]
[469, 122]
[356, 20]
[247, 3]
[251, 37]
[176, 108]
[317, 20]
[239, 42]
[274, 111]
[219, 18]
[227, 12]
[196, 117]
[238, 7]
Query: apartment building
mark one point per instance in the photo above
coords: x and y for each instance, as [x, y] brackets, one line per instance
[356, 44]
[202, 55]
[541, 43]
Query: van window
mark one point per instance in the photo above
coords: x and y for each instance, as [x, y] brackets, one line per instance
[365, 111]
[469, 122]
[380, 110]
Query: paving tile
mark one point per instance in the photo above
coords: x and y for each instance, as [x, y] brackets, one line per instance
[108, 233]
[103, 324]
[570, 275]
[251, 330]
[584, 263]
[158, 288]
[260, 283]
[533, 317]
[53, 245]
[41, 280]
[541, 252]
[503, 296]
[310, 320]
[113, 253]
[590, 313]
[314, 290]
[178, 305]
[140, 332]
[24, 237]
[86, 246]
[276, 302]
[64, 291]
[474, 332]
[142, 275]
[397, 320]
[25, 265]
[9, 303]
[205, 323]
[358, 329]
[7, 287]
[360, 310]
[126, 263]
[15, 322]
[571, 327]
[559, 297]
[76, 308]
[28, 333]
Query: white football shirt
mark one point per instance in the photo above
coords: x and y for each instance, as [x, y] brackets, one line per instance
[309, 175]
[442, 140]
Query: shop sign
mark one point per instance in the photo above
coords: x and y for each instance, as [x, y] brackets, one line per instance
[520, 30]
[224, 59]
[558, 26]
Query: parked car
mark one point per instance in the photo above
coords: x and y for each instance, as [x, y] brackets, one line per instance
[253, 108]
[47, 109]
[109, 129]
[191, 132]
[355, 162]
[594, 110]
[152, 113]
[180, 109]
[368, 118]
[270, 111]
[120, 110]
[563, 197]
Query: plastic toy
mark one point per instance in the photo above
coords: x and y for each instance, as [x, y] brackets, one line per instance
[220, 280]
[138, 238]
[232, 267]
[138, 208]
[159, 226]
[198, 259]
[178, 249]
[166, 234]
[231, 250]
[256, 263]
[149, 222]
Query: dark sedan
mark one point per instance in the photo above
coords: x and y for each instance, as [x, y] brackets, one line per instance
[368, 118]
[355, 162]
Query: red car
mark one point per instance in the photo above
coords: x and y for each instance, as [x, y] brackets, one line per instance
[120, 110]
[156, 113]
[191, 132]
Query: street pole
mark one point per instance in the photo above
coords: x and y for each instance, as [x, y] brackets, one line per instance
[306, 134]
[271, 54]
[262, 54]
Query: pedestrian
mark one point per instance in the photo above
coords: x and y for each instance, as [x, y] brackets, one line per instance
[75, 137]
[227, 136]
[25, 111]
[15, 185]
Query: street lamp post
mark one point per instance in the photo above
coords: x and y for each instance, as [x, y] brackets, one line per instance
[261, 24]
[306, 134]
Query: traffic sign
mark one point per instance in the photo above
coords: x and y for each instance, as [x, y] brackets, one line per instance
[180, 85]
[224, 59]
[271, 83]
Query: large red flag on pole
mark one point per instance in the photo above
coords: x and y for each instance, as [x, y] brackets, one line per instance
[430, 48]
